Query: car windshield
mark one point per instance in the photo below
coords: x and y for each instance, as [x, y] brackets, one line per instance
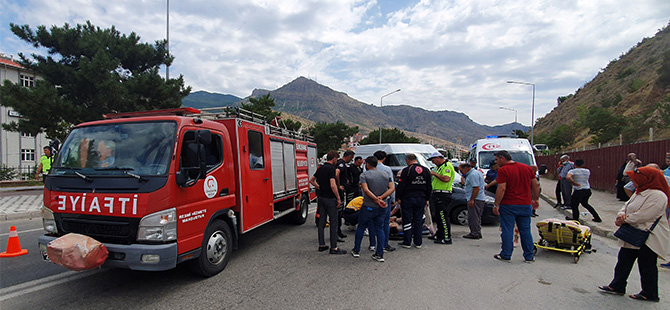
[518, 156]
[120, 148]
[398, 160]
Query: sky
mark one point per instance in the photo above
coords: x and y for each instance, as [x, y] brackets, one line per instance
[452, 55]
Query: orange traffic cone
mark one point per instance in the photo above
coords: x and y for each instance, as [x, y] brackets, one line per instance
[13, 245]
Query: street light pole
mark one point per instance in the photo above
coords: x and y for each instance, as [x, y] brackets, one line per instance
[532, 113]
[167, 35]
[381, 103]
[516, 113]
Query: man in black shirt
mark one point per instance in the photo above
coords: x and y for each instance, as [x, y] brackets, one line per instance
[344, 182]
[324, 180]
[355, 170]
[414, 189]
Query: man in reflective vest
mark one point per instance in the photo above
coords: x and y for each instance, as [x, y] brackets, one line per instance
[45, 164]
[443, 178]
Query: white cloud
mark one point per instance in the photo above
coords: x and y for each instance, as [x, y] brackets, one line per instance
[454, 55]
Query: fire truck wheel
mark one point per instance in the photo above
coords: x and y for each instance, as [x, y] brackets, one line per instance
[217, 245]
[300, 216]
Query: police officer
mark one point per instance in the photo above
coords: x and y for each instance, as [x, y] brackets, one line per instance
[344, 183]
[45, 163]
[412, 193]
[443, 178]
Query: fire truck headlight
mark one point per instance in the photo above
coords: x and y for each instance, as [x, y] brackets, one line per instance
[48, 221]
[159, 226]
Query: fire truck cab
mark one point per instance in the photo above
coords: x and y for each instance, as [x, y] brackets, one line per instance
[164, 187]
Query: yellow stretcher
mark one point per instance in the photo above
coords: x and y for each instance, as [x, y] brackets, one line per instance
[564, 236]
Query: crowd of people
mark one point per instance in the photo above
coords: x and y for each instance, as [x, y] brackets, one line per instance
[363, 193]
[422, 195]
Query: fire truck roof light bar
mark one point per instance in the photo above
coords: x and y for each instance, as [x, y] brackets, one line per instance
[178, 111]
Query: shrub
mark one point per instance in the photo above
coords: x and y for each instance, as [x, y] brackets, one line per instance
[635, 85]
[7, 173]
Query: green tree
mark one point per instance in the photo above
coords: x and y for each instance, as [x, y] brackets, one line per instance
[604, 125]
[330, 136]
[88, 72]
[392, 135]
[263, 106]
[557, 139]
[520, 133]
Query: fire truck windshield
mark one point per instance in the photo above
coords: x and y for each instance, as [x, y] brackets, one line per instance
[117, 149]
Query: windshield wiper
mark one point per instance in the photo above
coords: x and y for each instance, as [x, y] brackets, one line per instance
[74, 169]
[87, 179]
[126, 170]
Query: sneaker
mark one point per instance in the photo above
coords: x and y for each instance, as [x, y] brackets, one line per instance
[341, 235]
[389, 249]
[372, 248]
[558, 205]
[530, 261]
[355, 253]
[666, 265]
[432, 238]
[500, 258]
[442, 241]
[417, 246]
[366, 232]
[470, 236]
[378, 258]
[323, 248]
[565, 208]
[337, 251]
[534, 214]
[404, 245]
[598, 220]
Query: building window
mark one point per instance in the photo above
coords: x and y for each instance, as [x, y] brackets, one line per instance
[26, 134]
[27, 81]
[27, 155]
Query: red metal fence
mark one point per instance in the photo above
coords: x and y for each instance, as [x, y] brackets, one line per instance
[605, 163]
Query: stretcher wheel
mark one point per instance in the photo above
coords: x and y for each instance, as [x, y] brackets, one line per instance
[576, 258]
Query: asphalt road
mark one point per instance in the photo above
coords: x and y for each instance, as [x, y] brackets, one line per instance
[278, 267]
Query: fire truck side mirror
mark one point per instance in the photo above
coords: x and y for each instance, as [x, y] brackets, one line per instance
[182, 178]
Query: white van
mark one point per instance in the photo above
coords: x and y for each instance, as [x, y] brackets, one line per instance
[519, 148]
[396, 152]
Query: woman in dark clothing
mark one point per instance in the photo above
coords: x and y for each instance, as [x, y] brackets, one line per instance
[620, 182]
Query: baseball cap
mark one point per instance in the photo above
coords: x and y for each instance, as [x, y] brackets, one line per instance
[435, 154]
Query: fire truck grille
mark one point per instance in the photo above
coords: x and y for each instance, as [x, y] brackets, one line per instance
[116, 230]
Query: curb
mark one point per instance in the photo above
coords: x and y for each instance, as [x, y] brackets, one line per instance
[600, 231]
[20, 216]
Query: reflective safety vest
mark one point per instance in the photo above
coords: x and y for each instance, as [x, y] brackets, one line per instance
[444, 169]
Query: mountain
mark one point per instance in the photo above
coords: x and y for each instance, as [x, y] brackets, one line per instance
[319, 103]
[630, 86]
[203, 99]
[310, 100]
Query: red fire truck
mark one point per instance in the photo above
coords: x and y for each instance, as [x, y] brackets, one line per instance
[164, 187]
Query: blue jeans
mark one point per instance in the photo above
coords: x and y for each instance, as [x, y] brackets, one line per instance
[412, 219]
[386, 226]
[372, 218]
[519, 214]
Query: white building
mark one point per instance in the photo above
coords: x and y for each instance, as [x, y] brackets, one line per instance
[18, 150]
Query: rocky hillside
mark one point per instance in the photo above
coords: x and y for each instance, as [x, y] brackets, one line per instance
[629, 86]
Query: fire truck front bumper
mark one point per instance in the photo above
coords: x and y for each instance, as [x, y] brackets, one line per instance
[147, 257]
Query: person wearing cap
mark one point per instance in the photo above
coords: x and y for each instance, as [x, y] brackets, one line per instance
[443, 179]
[491, 175]
[566, 187]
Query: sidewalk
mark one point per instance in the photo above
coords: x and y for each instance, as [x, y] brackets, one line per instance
[20, 206]
[605, 203]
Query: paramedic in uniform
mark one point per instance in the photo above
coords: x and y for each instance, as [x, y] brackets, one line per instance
[413, 191]
[443, 179]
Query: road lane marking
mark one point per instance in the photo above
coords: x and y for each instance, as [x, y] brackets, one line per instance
[40, 284]
[22, 231]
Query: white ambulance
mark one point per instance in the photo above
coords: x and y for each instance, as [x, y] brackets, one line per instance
[520, 149]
